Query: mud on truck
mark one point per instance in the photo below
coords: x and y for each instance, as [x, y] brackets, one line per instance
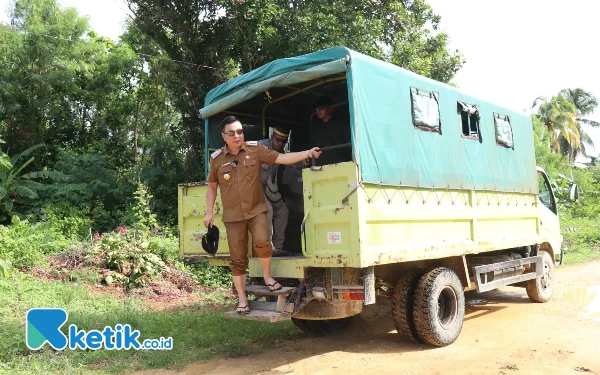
[437, 194]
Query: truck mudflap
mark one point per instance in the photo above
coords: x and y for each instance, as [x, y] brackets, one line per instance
[485, 277]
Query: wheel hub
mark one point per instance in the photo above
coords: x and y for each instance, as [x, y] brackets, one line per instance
[447, 307]
[546, 277]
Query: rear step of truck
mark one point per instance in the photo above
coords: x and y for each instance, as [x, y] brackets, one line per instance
[266, 311]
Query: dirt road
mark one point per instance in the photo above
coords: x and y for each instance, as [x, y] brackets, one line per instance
[506, 334]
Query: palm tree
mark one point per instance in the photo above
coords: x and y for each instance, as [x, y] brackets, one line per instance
[585, 104]
[558, 115]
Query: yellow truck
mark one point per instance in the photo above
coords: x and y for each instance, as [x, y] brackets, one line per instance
[439, 194]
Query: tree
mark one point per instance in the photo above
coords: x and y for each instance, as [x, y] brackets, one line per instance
[394, 31]
[550, 161]
[160, 141]
[211, 41]
[94, 103]
[558, 115]
[585, 104]
[190, 34]
[62, 84]
[37, 60]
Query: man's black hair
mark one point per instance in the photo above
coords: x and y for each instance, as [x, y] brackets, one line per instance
[228, 120]
[323, 100]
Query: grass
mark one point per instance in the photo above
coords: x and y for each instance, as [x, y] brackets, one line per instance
[579, 253]
[199, 333]
[581, 240]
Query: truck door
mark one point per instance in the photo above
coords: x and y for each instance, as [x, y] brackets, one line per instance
[549, 223]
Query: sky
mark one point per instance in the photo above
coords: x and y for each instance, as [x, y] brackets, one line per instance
[515, 50]
[518, 50]
[106, 17]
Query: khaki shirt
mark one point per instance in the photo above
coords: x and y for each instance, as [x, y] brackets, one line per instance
[240, 185]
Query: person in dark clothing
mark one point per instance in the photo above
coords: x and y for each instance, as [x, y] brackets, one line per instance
[330, 130]
[277, 214]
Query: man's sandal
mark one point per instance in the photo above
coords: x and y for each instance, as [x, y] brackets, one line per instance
[242, 309]
[273, 286]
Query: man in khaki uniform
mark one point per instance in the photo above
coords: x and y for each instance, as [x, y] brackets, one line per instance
[277, 211]
[236, 169]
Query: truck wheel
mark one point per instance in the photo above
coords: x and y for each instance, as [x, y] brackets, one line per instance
[403, 305]
[439, 307]
[321, 327]
[540, 290]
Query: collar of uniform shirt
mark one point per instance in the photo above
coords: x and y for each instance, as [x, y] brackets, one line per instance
[243, 147]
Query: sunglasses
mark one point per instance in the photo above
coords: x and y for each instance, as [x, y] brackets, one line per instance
[231, 133]
[280, 140]
[320, 108]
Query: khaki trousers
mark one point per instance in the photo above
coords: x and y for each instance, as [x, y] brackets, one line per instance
[237, 239]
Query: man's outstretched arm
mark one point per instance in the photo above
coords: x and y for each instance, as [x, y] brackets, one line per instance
[294, 157]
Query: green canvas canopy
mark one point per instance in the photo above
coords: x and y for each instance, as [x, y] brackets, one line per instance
[406, 129]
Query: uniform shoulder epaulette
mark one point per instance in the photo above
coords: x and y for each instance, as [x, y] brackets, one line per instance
[252, 143]
[216, 153]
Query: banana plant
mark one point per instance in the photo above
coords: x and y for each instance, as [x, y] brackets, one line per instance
[16, 188]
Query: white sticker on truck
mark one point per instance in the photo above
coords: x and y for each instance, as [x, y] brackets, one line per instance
[334, 237]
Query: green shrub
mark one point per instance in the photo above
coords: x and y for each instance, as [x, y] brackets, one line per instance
[69, 220]
[214, 277]
[134, 256]
[25, 244]
[134, 268]
[166, 247]
[92, 183]
[139, 216]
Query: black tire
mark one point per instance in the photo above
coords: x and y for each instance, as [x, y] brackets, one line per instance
[562, 258]
[403, 305]
[321, 327]
[540, 290]
[439, 307]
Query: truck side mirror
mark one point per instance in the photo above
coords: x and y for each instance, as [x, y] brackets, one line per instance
[574, 193]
